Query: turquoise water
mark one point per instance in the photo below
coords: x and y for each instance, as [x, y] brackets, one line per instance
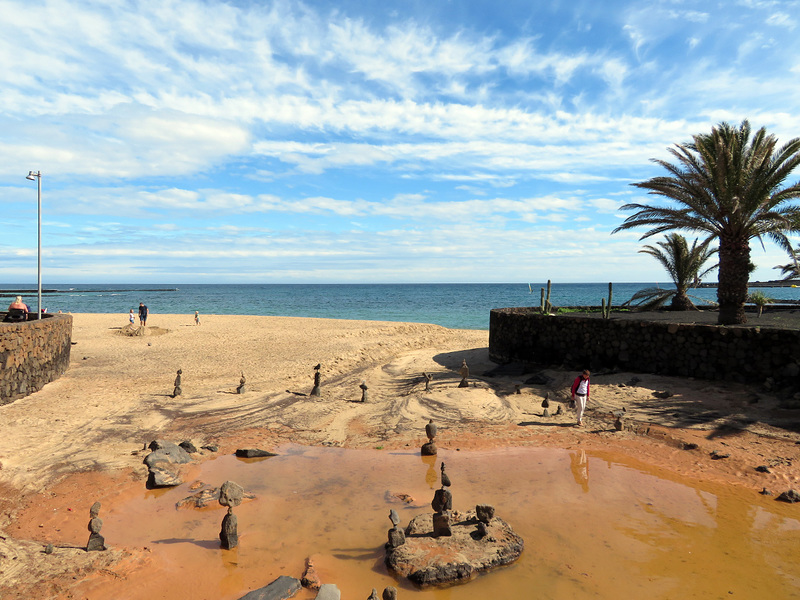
[459, 306]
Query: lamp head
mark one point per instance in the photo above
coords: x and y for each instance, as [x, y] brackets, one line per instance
[32, 176]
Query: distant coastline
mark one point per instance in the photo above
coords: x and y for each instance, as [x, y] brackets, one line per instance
[775, 283]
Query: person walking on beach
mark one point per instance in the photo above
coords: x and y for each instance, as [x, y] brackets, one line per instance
[143, 312]
[196, 318]
[580, 394]
[131, 317]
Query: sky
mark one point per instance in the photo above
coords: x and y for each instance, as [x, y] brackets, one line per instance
[366, 142]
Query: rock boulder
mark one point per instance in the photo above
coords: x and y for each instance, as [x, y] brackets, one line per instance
[280, 589]
[426, 560]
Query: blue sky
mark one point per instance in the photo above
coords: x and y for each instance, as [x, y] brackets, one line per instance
[393, 141]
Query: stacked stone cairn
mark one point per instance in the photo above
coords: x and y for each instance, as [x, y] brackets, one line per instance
[96, 541]
[464, 374]
[450, 546]
[442, 505]
[315, 389]
[429, 447]
[484, 514]
[396, 535]
[240, 389]
[177, 391]
[230, 495]
[364, 389]
[546, 405]
[428, 378]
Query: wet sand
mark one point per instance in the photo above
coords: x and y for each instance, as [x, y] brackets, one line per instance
[80, 438]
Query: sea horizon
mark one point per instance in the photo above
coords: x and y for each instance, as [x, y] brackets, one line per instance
[452, 305]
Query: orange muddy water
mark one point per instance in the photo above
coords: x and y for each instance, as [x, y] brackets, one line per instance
[595, 525]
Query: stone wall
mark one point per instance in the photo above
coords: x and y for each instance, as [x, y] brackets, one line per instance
[744, 354]
[33, 353]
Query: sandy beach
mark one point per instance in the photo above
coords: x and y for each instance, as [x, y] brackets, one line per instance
[82, 436]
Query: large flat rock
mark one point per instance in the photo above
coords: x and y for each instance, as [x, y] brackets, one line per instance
[426, 560]
[282, 588]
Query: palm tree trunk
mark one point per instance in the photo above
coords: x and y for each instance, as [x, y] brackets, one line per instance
[734, 275]
[680, 301]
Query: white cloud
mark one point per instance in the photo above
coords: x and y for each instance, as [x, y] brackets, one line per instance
[605, 204]
[693, 16]
[781, 19]
[262, 125]
[614, 72]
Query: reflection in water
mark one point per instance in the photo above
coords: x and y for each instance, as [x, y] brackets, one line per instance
[580, 469]
[637, 534]
[230, 563]
[430, 475]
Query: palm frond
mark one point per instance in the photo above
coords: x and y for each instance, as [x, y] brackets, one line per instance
[650, 298]
[656, 298]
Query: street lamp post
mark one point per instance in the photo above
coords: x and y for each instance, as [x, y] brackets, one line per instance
[37, 175]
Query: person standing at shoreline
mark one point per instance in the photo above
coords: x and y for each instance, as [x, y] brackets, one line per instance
[196, 318]
[143, 312]
[580, 394]
[131, 317]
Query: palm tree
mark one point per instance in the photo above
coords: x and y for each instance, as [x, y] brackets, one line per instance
[684, 266]
[760, 299]
[728, 185]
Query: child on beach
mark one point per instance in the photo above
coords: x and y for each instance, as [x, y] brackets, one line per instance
[132, 317]
[196, 318]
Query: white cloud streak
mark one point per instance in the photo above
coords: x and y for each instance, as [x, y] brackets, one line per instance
[267, 123]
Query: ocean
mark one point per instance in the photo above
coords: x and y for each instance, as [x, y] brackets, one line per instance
[458, 306]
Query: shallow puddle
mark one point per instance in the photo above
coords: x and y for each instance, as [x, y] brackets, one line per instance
[594, 525]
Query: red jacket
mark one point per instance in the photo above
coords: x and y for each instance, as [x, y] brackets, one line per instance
[577, 382]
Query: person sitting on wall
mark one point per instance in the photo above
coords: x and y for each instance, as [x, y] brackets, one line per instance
[18, 304]
[17, 311]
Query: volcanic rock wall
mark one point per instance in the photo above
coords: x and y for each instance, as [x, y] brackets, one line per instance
[33, 353]
[744, 354]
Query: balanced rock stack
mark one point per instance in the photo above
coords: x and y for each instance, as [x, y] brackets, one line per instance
[230, 495]
[396, 535]
[429, 447]
[315, 390]
[428, 378]
[96, 541]
[177, 391]
[484, 513]
[442, 505]
[464, 374]
[451, 545]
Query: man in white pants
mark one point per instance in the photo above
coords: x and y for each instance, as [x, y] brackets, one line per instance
[580, 394]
